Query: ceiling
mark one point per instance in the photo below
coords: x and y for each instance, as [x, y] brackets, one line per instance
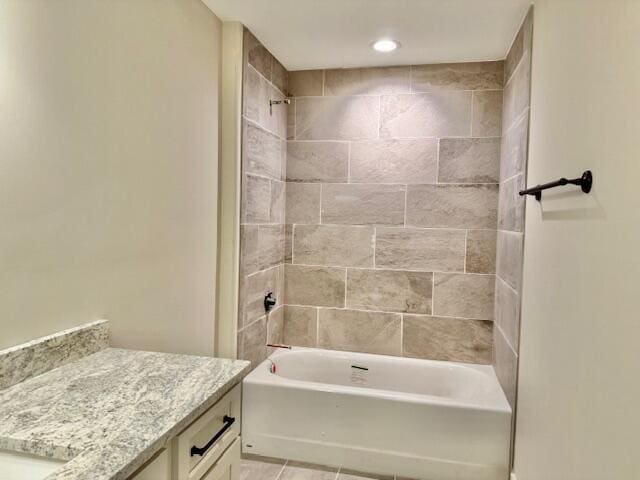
[307, 34]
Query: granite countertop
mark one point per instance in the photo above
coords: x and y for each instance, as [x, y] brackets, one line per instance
[109, 412]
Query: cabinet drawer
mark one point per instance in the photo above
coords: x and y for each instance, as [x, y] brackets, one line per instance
[228, 467]
[201, 444]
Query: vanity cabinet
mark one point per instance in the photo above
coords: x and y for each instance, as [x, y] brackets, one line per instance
[208, 449]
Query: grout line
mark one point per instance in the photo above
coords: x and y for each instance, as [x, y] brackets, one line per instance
[284, 465]
[364, 140]
[387, 312]
[388, 269]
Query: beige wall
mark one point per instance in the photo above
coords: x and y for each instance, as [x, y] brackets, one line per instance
[578, 390]
[392, 196]
[108, 170]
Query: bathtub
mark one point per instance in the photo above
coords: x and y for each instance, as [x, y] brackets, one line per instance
[412, 418]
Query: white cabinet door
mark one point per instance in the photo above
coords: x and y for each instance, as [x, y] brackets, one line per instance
[158, 469]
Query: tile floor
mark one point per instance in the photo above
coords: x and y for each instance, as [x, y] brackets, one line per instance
[260, 468]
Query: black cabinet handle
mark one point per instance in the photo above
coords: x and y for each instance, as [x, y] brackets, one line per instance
[228, 421]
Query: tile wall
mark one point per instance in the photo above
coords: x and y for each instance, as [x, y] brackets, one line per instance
[513, 167]
[392, 191]
[262, 230]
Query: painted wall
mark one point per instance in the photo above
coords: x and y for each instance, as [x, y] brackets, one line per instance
[262, 232]
[578, 391]
[391, 211]
[108, 170]
[511, 209]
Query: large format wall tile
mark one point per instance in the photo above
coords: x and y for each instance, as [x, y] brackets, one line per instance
[464, 295]
[275, 325]
[249, 249]
[255, 96]
[469, 160]
[511, 211]
[252, 342]
[317, 161]
[288, 243]
[257, 55]
[389, 290]
[279, 76]
[337, 118]
[487, 113]
[441, 114]
[515, 144]
[505, 365]
[300, 326]
[367, 81]
[452, 206]
[256, 201]
[253, 290]
[303, 203]
[520, 46]
[517, 93]
[363, 204]
[333, 245]
[314, 286]
[509, 258]
[418, 249]
[507, 314]
[277, 209]
[262, 152]
[452, 339]
[481, 251]
[357, 331]
[394, 161]
[270, 245]
[457, 76]
[306, 83]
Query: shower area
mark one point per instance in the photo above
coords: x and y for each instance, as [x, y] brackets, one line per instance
[380, 209]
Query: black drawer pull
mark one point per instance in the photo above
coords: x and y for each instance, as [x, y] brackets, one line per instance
[228, 421]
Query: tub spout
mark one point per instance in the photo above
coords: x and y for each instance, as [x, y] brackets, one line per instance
[278, 345]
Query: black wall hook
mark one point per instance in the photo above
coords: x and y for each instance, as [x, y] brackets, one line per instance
[585, 182]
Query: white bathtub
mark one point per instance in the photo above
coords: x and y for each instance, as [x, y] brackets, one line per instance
[395, 416]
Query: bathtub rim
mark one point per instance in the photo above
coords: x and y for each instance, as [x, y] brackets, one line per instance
[261, 375]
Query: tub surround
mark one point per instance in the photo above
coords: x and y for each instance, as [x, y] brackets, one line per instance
[511, 209]
[391, 209]
[262, 230]
[109, 412]
[27, 360]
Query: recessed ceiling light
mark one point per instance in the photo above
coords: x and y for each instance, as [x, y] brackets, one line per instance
[385, 45]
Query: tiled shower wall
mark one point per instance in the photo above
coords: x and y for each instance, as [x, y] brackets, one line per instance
[391, 209]
[513, 167]
[263, 196]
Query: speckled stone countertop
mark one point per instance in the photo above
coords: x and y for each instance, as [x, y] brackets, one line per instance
[110, 412]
